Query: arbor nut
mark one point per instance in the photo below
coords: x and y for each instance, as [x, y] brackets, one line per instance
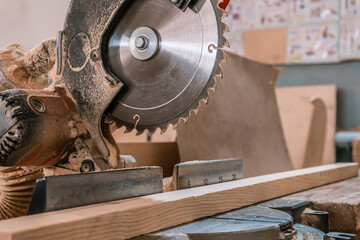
[87, 166]
[37, 105]
[144, 43]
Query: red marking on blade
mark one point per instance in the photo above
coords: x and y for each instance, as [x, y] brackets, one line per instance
[224, 4]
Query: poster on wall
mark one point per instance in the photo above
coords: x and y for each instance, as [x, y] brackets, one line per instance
[317, 43]
[258, 14]
[271, 13]
[350, 8]
[314, 11]
[247, 13]
[350, 39]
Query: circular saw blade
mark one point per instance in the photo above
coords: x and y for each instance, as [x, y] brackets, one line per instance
[165, 88]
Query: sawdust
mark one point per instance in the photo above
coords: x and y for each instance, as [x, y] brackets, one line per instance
[16, 186]
[30, 70]
[168, 184]
[19, 69]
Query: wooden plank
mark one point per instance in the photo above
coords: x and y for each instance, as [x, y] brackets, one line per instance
[342, 202]
[164, 155]
[356, 150]
[266, 45]
[241, 120]
[315, 144]
[303, 119]
[134, 217]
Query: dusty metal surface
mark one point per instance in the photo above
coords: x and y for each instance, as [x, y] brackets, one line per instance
[17, 71]
[69, 191]
[35, 128]
[83, 70]
[200, 173]
[16, 186]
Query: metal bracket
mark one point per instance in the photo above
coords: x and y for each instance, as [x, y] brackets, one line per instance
[69, 191]
[201, 173]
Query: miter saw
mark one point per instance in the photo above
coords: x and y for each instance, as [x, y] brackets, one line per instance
[139, 64]
[142, 64]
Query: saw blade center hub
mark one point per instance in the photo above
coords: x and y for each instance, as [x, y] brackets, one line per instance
[144, 43]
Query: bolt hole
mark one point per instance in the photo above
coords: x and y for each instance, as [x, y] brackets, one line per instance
[37, 105]
[87, 166]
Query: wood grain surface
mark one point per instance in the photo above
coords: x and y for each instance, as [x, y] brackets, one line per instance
[342, 202]
[134, 217]
[164, 155]
[308, 116]
[266, 45]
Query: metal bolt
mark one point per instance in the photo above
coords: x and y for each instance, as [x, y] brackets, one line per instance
[37, 105]
[142, 42]
[87, 166]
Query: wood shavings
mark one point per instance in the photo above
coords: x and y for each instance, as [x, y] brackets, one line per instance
[16, 187]
[26, 70]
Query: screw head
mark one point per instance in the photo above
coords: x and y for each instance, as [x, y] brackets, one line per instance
[141, 42]
[37, 105]
[87, 166]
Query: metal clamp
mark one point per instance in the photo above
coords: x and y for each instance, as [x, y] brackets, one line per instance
[337, 235]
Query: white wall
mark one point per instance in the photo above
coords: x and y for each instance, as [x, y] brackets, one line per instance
[29, 22]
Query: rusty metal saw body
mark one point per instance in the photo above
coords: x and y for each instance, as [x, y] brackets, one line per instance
[142, 64]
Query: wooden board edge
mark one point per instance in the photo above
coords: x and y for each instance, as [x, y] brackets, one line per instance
[134, 217]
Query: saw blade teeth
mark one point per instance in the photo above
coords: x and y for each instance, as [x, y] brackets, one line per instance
[140, 132]
[128, 130]
[223, 57]
[227, 30]
[206, 100]
[195, 111]
[185, 120]
[217, 75]
[221, 72]
[152, 132]
[163, 130]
